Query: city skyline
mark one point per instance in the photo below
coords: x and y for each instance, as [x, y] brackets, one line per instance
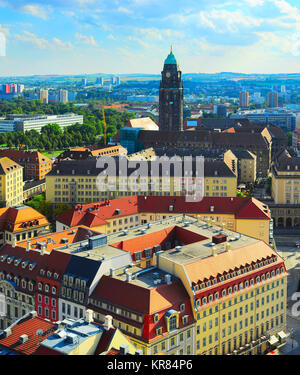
[88, 36]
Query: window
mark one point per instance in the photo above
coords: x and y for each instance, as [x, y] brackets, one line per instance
[172, 323]
[46, 288]
[182, 307]
[53, 290]
[223, 293]
[40, 286]
[155, 318]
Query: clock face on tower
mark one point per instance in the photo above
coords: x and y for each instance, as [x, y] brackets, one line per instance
[168, 74]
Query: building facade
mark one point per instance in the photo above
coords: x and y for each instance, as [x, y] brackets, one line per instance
[11, 182]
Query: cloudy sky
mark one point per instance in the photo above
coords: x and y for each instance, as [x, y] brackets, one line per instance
[134, 36]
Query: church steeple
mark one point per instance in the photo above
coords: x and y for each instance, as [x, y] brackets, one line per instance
[171, 96]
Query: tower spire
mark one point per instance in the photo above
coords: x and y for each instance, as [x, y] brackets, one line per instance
[171, 48]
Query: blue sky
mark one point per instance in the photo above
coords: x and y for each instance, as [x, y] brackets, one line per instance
[134, 36]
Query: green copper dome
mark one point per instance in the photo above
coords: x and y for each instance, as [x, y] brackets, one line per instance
[171, 59]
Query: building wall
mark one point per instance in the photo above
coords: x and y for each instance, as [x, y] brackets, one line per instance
[254, 228]
[83, 189]
[11, 187]
[265, 313]
[286, 188]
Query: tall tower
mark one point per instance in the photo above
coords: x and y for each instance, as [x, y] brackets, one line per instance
[170, 96]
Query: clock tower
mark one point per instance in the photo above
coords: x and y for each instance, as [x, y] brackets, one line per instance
[170, 96]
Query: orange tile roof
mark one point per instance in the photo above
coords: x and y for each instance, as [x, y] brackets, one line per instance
[214, 265]
[28, 327]
[7, 165]
[75, 234]
[12, 218]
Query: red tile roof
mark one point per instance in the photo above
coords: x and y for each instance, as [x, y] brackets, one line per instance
[29, 327]
[241, 207]
[137, 298]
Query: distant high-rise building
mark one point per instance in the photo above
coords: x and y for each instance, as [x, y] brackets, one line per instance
[20, 88]
[84, 81]
[244, 99]
[221, 110]
[6, 89]
[171, 96]
[43, 96]
[117, 80]
[63, 96]
[283, 89]
[273, 99]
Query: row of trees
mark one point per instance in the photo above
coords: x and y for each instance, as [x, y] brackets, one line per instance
[54, 137]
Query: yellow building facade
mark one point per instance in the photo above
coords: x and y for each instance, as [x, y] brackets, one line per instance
[11, 182]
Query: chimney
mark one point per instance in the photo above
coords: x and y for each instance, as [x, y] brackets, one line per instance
[7, 332]
[124, 349]
[14, 242]
[89, 316]
[138, 352]
[168, 279]
[28, 246]
[33, 314]
[227, 246]
[23, 338]
[108, 322]
[214, 251]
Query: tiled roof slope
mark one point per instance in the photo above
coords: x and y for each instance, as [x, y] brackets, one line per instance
[241, 207]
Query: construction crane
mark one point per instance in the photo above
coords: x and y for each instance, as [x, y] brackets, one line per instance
[104, 122]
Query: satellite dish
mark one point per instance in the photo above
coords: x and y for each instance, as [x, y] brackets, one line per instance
[39, 332]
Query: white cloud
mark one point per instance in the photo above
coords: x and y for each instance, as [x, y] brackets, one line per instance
[112, 37]
[35, 10]
[86, 39]
[29, 37]
[124, 10]
[254, 3]
[59, 43]
[4, 30]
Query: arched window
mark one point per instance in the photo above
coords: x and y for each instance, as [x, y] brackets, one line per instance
[251, 281]
[268, 275]
[235, 288]
[204, 301]
[273, 273]
[46, 288]
[258, 279]
[262, 277]
[229, 290]
[53, 290]
[246, 284]
[210, 298]
[241, 286]
[217, 295]
[224, 293]
[40, 286]
[282, 269]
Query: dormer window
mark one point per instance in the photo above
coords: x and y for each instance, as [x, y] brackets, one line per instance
[42, 272]
[47, 288]
[24, 264]
[155, 318]
[55, 276]
[40, 286]
[49, 274]
[158, 330]
[208, 284]
[282, 269]
[182, 307]
[202, 286]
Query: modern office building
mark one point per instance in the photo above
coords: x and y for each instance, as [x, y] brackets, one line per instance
[43, 96]
[15, 122]
[284, 118]
[273, 99]
[244, 99]
[63, 96]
